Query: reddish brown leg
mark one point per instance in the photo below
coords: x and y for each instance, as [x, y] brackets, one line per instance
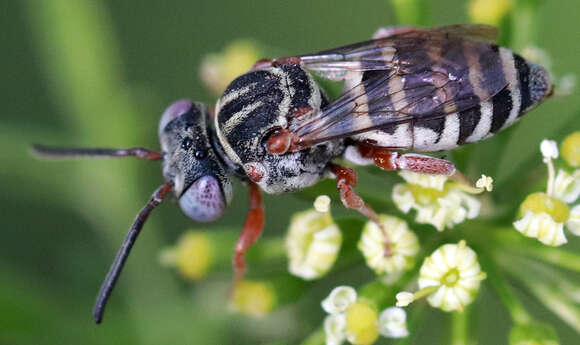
[389, 160]
[345, 181]
[252, 230]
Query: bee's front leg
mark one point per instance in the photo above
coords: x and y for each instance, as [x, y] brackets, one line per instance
[252, 230]
[346, 179]
[390, 160]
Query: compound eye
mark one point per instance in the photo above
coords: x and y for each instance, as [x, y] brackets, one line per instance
[203, 201]
[173, 111]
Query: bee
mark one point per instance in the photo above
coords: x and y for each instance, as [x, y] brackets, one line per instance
[407, 89]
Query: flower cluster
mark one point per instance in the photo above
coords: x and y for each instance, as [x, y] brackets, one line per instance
[488, 11]
[357, 320]
[437, 200]
[544, 215]
[253, 298]
[218, 70]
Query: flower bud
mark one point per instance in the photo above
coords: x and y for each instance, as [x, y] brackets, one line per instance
[312, 244]
[403, 245]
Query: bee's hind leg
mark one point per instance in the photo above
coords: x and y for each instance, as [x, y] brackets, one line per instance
[346, 179]
[386, 159]
[252, 230]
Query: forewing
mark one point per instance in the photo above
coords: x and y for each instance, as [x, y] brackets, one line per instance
[381, 54]
[417, 75]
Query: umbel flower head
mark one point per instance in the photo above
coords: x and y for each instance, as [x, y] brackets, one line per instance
[488, 11]
[400, 252]
[218, 70]
[544, 215]
[450, 277]
[571, 149]
[253, 298]
[192, 256]
[313, 241]
[357, 319]
[438, 202]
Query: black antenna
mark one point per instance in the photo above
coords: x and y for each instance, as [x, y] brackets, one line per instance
[42, 151]
[123, 253]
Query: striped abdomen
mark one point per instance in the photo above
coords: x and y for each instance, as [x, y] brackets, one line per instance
[527, 85]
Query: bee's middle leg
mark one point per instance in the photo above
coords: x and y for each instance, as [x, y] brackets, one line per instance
[390, 160]
[346, 179]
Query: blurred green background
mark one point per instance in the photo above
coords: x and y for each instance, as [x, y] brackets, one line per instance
[80, 72]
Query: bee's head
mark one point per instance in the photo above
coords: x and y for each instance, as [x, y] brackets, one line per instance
[191, 162]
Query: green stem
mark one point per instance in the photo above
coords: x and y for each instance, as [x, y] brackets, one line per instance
[547, 287]
[518, 245]
[516, 309]
[416, 316]
[318, 337]
[459, 327]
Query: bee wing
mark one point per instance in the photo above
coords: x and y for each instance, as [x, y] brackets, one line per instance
[388, 52]
[412, 76]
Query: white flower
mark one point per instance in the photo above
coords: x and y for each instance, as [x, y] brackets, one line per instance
[424, 180]
[393, 323]
[544, 215]
[335, 329]
[442, 205]
[567, 186]
[312, 244]
[403, 245]
[544, 218]
[543, 227]
[450, 277]
[339, 299]
[549, 149]
[404, 298]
